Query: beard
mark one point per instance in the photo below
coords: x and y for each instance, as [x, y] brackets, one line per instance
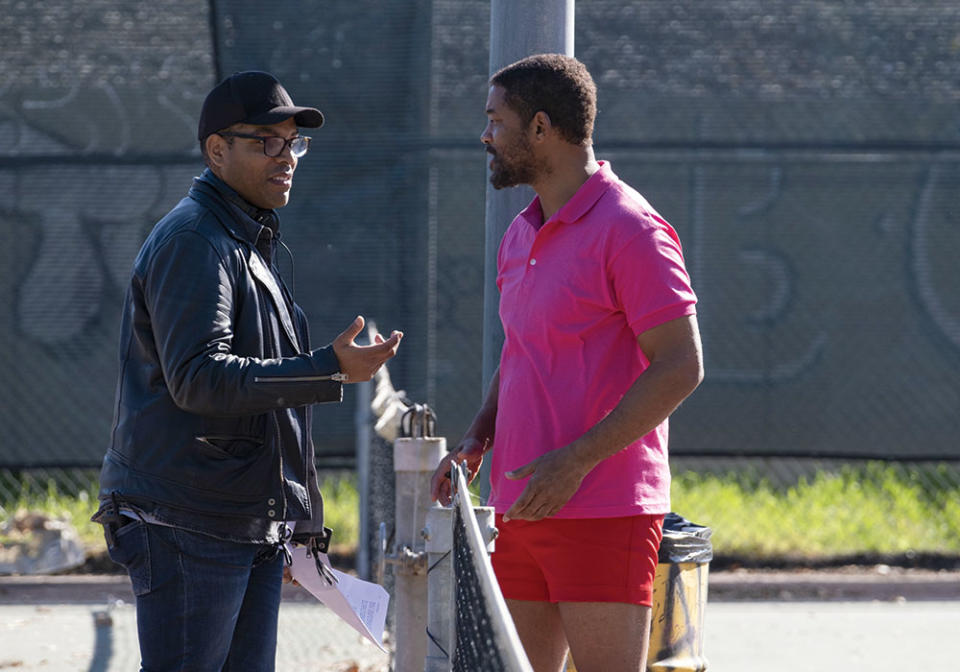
[513, 167]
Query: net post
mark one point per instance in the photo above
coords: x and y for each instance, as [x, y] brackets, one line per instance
[440, 590]
[414, 460]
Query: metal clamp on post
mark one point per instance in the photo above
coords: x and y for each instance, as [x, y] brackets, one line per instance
[418, 421]
[405, 560]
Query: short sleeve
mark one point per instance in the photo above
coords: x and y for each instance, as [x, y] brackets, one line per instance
[650, 281]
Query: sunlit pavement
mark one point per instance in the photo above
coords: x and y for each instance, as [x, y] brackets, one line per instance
[832, 636]
[88, 624]
[787, 622]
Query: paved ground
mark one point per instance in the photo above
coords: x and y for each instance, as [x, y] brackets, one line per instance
[880, 620]
[88, 624]
[832, 636]
[67, 638]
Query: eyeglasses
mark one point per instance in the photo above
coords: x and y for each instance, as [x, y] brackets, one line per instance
[274, 145]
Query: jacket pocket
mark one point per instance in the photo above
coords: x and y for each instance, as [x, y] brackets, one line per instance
[228, 447]
[230, 465]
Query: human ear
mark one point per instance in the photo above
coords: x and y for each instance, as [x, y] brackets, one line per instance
[215, 149]
[541, 124]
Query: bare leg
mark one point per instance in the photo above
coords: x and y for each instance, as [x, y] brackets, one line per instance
[607, 636]
[541, 633]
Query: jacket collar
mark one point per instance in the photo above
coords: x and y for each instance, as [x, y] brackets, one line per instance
[238, 217]
[249, 222]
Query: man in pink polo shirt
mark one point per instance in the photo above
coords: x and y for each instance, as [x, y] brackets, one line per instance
[601, 345]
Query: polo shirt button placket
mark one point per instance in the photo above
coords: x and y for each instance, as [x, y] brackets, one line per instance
[533, 262]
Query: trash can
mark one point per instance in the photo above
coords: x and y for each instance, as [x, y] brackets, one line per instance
[680, 597]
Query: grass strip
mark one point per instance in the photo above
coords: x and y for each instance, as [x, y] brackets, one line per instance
[857, 509]
[870, 508]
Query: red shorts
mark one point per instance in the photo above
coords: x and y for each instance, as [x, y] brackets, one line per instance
[578, 559]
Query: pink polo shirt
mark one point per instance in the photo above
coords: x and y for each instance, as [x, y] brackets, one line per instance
[575, 293]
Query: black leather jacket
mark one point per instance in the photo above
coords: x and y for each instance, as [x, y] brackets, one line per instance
[212, 422]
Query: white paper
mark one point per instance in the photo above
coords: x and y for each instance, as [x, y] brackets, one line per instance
[363, 605]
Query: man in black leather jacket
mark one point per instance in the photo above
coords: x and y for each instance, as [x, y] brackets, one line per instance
[210, 462]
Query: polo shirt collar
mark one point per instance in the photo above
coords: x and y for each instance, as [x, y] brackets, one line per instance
[581, 203]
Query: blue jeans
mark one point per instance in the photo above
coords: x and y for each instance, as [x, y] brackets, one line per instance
[203, 604]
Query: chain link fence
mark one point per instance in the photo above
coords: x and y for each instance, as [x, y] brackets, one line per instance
[807, 152]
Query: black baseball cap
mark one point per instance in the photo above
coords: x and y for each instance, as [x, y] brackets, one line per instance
[252, 97]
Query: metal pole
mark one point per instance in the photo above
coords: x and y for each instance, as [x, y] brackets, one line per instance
[441, 609]
[517, 29]
[363, 425]
[414, 460]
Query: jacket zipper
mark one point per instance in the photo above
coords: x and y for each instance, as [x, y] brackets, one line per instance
[283, 491]
[338, 377]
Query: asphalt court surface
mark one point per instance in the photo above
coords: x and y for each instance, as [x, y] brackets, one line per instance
[789, 622]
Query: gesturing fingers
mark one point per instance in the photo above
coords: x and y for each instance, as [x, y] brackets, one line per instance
[361, 362]
[351, 332]
[384, 349]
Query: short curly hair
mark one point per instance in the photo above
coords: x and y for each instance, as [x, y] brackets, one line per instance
[557, 84]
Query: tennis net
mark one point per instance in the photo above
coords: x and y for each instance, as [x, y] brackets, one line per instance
[486, 639]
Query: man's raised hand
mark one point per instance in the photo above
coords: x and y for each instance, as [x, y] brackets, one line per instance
[361, 362]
